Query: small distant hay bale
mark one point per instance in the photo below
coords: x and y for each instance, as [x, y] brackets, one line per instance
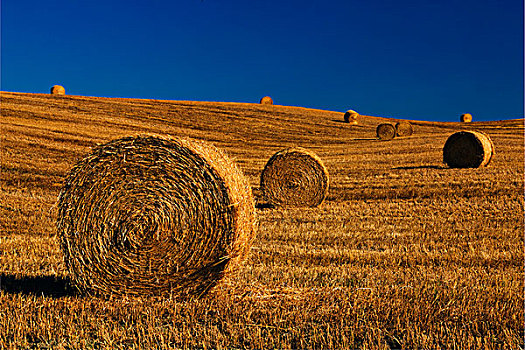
[152, 216]
[466, 118]
[58, 90]
[385, 131]
[351, 117]
[468, 149]
[295, 177]
[266, 100]
[404, 128]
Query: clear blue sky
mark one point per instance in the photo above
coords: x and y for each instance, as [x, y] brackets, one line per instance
[427, 60]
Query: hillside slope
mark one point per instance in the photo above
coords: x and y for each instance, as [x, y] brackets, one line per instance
[404, 251]
[63, 128]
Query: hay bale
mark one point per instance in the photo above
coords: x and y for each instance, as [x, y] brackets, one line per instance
[154, 216]
[468, 149]
[351, 117]
[58, 90]
[385, 131]
[266, 100]
[294, 177]
[404, 128]
[466, 118]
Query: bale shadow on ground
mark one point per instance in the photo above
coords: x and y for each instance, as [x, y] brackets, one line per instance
[46, 286]
[264, 206]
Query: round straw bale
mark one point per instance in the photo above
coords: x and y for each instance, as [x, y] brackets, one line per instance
[154, 216]
[266, 100]
[295, 177]
[404, 128]
[386, 131]
[468, 149]
[351, 117]
[466, 118]
[58, 90]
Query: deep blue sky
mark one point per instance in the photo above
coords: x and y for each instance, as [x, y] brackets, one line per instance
[427, 60]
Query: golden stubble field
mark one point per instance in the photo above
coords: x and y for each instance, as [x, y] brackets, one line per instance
[403, 253]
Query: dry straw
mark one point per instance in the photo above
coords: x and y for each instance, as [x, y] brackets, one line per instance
[154, 216]
[351, 117]
[466, 118]
[468, 149]
[386, 131]
[58, 90]
[295, 177]
[404, 128]
[266, 100]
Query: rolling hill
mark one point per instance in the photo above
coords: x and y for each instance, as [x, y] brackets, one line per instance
[404, 252]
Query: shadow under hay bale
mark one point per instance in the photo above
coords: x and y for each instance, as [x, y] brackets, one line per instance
[404, 128]
[351, 117]
[57, 90]
[40, 286]
[385, 131]
[154, 216]
[295, 177]
[468, 149]
[466, 118]
[266, 100]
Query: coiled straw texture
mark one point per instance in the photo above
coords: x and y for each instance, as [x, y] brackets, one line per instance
[152, 216]
[466, 118]
[351, 117]
[404, 128]
[295, 177]
[57, 90]
[385, 131]
[266, 100]
[468, 149]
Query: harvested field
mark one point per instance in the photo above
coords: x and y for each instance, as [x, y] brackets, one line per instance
[404, 252]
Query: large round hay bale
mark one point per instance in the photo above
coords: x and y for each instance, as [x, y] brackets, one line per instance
[466, 118]
[404, 128]
[351, 117]
[266, 100]
[468, 149]
[294, 177]
[154, 216]
[385, 131]
[58, 90]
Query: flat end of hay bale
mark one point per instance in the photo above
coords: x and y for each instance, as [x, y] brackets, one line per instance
[266, 100]
[154, 216]
[351, 117]
[468, 149]
[294, 177]
[466, 118]
[386, 131]
[57, 90]
[404, 128]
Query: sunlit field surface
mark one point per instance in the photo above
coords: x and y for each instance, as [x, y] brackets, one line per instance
[403, 253]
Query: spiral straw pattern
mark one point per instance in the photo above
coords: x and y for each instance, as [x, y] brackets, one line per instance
[57, 90]
[385, 131]
[404, 128]
[154, 216]
[351, 117]
[295, 177]
[266, 100]
[468, 149]
[466, 118]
